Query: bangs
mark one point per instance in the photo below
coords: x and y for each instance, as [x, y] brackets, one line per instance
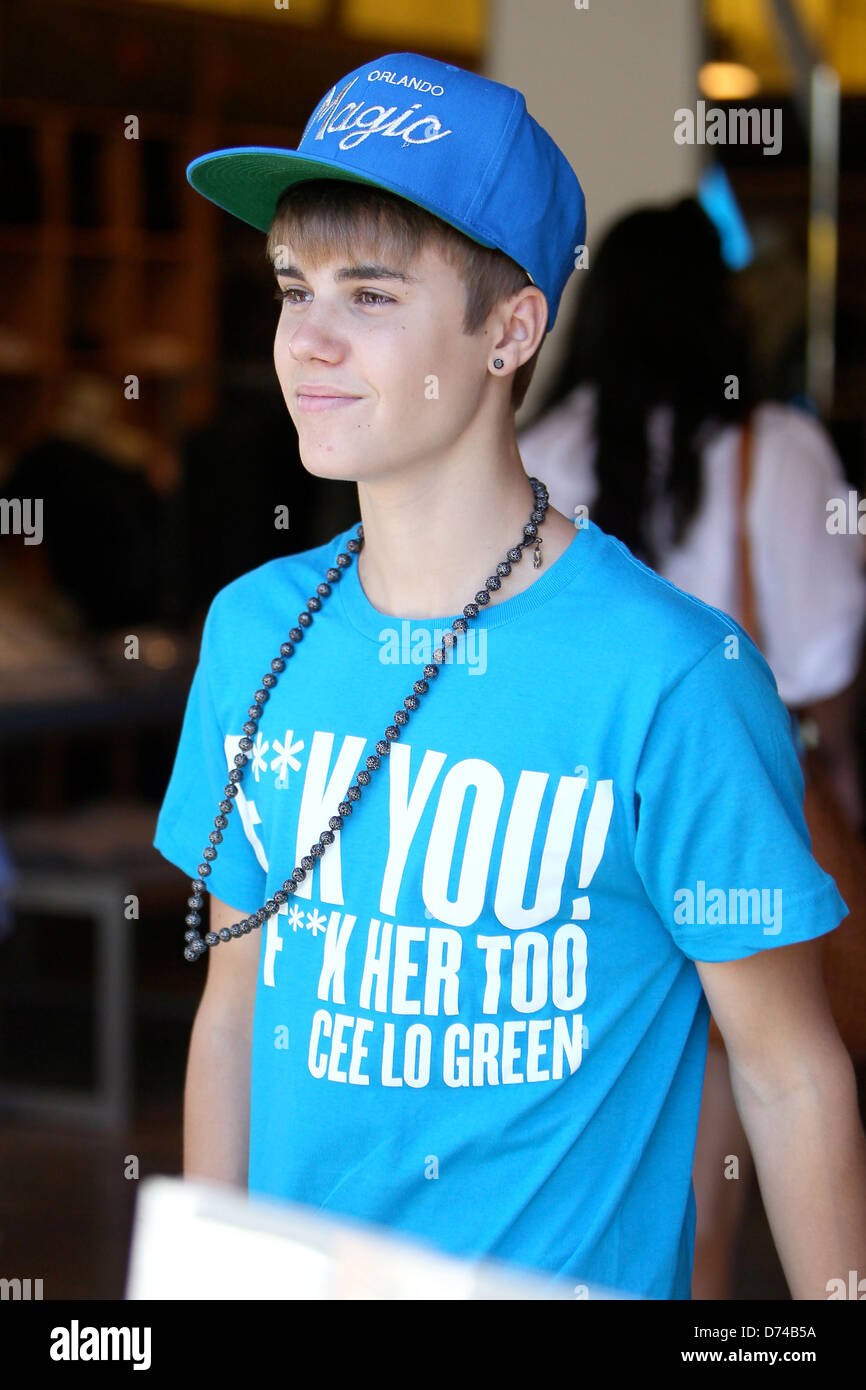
[323, 219]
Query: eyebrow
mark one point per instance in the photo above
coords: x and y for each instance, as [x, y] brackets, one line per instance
[354, 272]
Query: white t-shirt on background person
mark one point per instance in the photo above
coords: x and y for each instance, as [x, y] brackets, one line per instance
[809, 584]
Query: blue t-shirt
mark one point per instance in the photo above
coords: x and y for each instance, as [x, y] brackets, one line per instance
[478, 1020]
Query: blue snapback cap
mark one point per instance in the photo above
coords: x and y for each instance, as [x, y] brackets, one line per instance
[461, 146]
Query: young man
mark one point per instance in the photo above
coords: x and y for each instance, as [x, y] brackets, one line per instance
[463, 997]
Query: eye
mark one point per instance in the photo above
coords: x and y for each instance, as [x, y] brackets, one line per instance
[372, 297]
[285, 295]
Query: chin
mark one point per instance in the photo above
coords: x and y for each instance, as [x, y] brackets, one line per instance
[335, 461]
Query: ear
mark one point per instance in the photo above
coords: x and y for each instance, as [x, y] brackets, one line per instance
[517, 326]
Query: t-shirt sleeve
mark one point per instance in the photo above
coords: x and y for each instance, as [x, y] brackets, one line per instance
[197, 786]
[722, 845]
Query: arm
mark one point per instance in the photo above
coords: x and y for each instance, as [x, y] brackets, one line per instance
[217, 1095]
[796, 1094]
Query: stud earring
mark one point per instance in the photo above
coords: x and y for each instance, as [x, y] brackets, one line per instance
[497, 362]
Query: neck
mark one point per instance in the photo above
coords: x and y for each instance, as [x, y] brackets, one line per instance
[432, 539]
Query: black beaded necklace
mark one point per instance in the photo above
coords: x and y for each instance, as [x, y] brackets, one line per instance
[196, 945]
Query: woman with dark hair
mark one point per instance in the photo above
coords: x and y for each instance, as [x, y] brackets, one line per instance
[656, 326]
[644, 429]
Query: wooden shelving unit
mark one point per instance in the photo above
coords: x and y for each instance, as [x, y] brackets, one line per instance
[109, 262]
[105, 265]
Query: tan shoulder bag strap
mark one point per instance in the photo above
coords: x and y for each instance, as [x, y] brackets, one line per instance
[749, 617]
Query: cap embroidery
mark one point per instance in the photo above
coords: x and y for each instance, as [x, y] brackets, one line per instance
[331, 117]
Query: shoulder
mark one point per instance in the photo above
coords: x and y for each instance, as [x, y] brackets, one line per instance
[252, 614]
[785, 435]
[661, 631]
[790, 442]
[298, 571]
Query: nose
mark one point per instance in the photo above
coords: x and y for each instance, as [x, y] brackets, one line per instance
[311, 335]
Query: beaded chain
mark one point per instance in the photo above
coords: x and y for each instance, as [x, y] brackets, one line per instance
[196, 945]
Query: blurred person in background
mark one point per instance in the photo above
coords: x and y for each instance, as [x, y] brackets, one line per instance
[642, 430]
[225, 533]
[103, 484]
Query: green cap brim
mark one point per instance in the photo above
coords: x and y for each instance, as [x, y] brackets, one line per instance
[248, 181]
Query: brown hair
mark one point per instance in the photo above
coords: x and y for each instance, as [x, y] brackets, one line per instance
[335, 214]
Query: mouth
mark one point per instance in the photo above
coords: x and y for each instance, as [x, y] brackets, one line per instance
[312, 399]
